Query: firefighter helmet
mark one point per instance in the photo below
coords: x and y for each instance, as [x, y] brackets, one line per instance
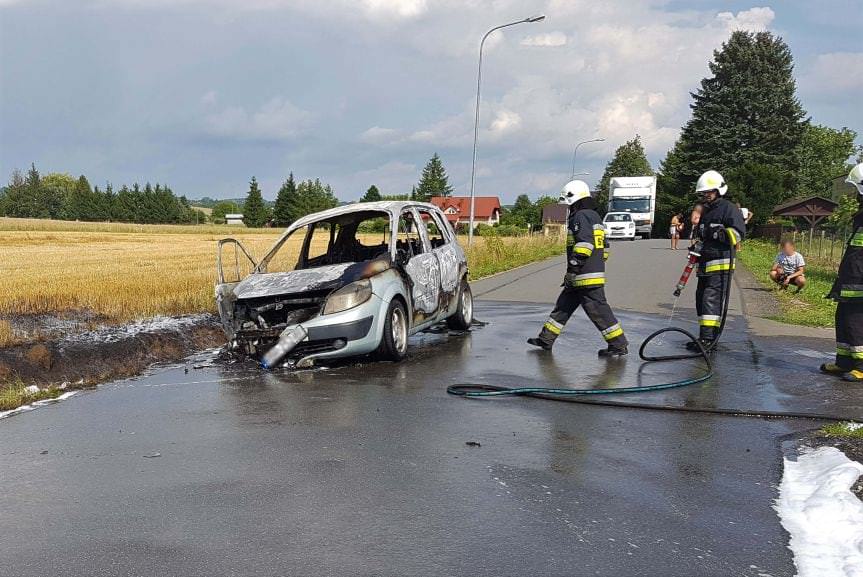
[855, 177]
[574, 191]
[711, 180]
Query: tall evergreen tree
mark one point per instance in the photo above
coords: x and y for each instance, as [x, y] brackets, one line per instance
[371, 195]
[79, 206]
[746, 113]
[16, 195]
[255, 213]
[312, 196]
[433, 182]
[629, 160]
[286, 198]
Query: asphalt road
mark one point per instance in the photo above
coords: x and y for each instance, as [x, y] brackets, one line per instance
[364, 469]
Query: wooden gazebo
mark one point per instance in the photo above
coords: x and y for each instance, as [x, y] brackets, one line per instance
[812, 209]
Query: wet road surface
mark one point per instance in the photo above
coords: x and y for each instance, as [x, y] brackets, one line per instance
[364, 469]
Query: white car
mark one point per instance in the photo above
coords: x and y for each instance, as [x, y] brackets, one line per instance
[619, 225]
[348, 281]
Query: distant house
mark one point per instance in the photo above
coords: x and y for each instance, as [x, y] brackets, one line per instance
[554, 219]
[457, 209]
[234, 219]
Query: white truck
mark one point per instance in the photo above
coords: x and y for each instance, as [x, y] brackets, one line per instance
[637, 196]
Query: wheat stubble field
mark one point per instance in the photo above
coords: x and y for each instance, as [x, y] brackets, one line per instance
[118, 272]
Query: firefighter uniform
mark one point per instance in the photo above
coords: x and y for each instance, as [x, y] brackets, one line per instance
[584, 282]
[848, 292]
[721, 227]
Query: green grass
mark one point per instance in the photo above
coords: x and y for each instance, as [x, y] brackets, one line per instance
[493, 254]
[15, 394]
[809, 307]
[842, 430]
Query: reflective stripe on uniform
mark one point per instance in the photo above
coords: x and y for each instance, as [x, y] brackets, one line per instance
[612, 332]
[584, 248]
[857, 239]
[709, 320]
[732, 235]
[589, 279]
[719, 264]
[599, 227]
[851, 294]
[605, 254]
[553, 326]
[846, 350]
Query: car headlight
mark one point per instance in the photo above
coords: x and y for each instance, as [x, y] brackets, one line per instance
[349, 297]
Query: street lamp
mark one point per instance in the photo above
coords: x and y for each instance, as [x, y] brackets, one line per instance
[537, 18]
[576, 151]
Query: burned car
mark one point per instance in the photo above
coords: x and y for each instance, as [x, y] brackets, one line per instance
[351, 280]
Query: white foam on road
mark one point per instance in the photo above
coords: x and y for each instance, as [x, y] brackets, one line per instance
[822, 515]
[36, 405]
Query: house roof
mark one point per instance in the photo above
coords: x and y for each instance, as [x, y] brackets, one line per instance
[809, 206]
[455, 207]
[554, 213]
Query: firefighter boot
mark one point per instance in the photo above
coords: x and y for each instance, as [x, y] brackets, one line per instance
[853, 376]
[613, 351]
[550, 331]
[706, 343]
[832, 369]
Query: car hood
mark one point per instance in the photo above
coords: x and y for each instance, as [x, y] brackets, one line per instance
[312, 279]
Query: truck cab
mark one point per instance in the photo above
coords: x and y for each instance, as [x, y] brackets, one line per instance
[635, 195]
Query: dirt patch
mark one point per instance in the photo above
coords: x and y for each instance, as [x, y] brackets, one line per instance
[109, 352]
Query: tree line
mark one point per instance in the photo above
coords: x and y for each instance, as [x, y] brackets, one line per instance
[61, 196]
[748, 123]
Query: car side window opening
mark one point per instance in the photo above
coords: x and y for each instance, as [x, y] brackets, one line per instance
[433, 229]
[408, 241]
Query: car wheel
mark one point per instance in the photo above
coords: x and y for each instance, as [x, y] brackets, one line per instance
[463, 316]
[394, 341]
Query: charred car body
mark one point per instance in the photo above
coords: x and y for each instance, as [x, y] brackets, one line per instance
[347, 281]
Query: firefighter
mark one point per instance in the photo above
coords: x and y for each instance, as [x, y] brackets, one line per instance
[584, 282]
[720, 228]
[848, 292]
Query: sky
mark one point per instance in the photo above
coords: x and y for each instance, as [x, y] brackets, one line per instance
[204, 94]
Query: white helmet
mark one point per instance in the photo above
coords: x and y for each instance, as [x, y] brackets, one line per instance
[574, 191]
[711, 180]
[855, 177]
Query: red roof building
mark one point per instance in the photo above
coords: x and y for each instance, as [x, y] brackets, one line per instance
[457, 209]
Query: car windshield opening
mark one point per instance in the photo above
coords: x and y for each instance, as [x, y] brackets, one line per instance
[630, 204]
[343, 239]
[618, 218]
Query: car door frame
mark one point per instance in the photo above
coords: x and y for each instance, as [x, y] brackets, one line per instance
[423, 271]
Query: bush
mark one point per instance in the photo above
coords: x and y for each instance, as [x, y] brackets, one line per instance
[510, 230]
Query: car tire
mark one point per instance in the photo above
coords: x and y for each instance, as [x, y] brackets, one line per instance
[394, 341]
[461, 319]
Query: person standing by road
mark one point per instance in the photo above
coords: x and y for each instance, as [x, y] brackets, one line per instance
[847, 290]
[720, 228]
[675, 230]
[584, 281]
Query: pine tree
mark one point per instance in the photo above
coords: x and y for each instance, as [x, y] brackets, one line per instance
[371, 195]
[79, 205]
[16, 195]
[629, 160]
[285, 199]
[433, 182]
[746, 112]
[255, 213]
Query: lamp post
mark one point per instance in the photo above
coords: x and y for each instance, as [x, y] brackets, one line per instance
[537, 18]
[575, 152]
